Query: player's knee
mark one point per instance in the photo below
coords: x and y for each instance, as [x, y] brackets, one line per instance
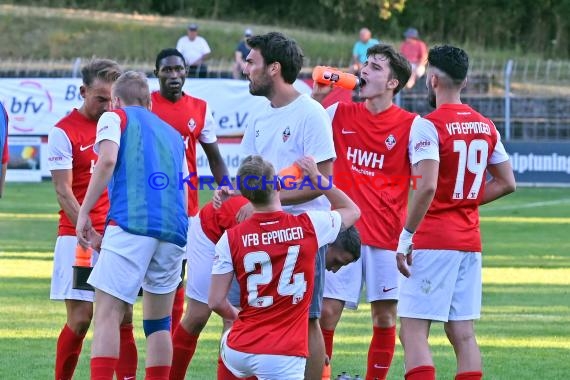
[150, 326]
[195, 324]
[79, 318]
[330, 313]
[384, 313]
[128, 318]
[80, 325]
[459, 335]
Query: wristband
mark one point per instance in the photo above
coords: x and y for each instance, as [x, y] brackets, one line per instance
[405, 242]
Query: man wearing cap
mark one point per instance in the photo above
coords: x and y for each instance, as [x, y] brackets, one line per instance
[242, 50]
[195, 50]
[415, 50]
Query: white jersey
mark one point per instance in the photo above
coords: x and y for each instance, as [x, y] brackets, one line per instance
[192, 50]
[285, 134]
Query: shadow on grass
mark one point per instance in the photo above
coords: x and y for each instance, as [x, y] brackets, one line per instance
[29, 257]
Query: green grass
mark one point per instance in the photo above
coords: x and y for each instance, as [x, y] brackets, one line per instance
[56, 33]
[524, 332]
[50, 33]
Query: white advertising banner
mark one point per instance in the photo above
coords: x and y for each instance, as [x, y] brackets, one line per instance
[34, 105]
[231, 153]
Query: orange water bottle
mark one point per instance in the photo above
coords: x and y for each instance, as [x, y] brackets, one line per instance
[82, 256]
[326, 372]
[330, 75]
[290, 175]
[82, 268]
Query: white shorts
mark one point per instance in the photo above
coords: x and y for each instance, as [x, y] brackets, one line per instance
[444, 286]
[191, 221]
[378, 269]
[62, 275]
[200, 258]
[265, 367]
[128, 261]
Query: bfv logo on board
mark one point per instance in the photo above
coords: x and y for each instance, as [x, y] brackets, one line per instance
[28, 106]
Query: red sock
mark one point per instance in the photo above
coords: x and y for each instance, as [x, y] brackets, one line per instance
[424, 372]
[225, 374]
[381, 352]
[103, 368]
[473, 375]
[177, 309]
[157, 373]
[328, 335]
[68, 349]
[128, 358]
[184, 345]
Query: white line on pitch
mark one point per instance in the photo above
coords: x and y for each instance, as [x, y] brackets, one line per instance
[527, 205]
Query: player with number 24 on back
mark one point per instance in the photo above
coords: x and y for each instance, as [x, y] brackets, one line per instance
[273, 257]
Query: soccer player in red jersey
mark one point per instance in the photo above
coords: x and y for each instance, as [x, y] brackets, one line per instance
[193, 118]
[453, 156]
[371, 143]
[213, 222]
[71, 161]
[3, 146]
[272, 255]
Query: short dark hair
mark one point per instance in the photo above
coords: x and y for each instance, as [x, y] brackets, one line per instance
[349, 240]
[276, 47]
[132, 88]
[102, 69]
[451, 60]
[399, 65]
[167, 53]
[256, 180]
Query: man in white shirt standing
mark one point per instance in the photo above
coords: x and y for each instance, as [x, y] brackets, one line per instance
[195, 50]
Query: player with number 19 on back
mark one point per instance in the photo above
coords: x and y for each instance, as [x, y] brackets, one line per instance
[272, 255]
[442, 276]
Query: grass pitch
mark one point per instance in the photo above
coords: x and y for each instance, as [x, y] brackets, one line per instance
[524, 332]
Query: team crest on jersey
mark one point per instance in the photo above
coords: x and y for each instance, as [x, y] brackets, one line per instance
[390, 142]
[286, 134]
[192, 124]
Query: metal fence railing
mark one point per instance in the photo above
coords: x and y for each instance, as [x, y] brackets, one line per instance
[530, 101]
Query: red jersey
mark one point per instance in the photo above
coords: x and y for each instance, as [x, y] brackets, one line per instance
[415, 51]
[215, 221]
[465, 142]
[70, 145]
[373, 168]
[187, 116]
[273, 258]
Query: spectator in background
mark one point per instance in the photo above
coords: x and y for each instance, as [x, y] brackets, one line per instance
[360, 48]
[415, 50]
[242, 50]
[195, 50]
[3, 146]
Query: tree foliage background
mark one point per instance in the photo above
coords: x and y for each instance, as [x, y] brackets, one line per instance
[541, 26]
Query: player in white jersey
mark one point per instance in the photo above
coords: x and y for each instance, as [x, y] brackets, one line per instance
[290, 126]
